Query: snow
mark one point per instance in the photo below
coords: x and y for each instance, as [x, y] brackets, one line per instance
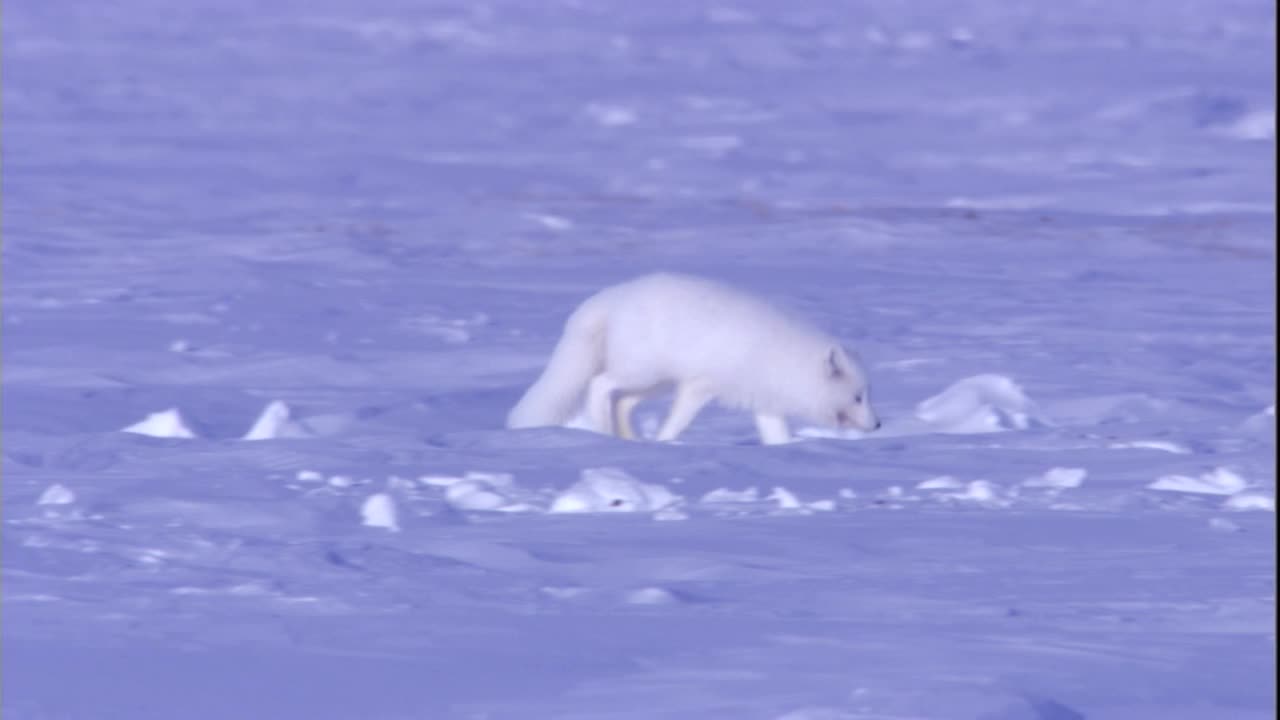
[56, 494]
[275, 273]
[1154, 445]
[785, 498]
[379, 511]
[942, 482]
[1250, 501]
[271, 424]
[162, 424]
[983, 403]
[1058, 477]
[651, 596]
[611, 489]
[1219, 481]
[979, 491]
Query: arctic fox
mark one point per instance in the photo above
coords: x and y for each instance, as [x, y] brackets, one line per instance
[710, 342]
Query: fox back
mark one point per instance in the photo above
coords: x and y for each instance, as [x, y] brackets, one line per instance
[666, 328]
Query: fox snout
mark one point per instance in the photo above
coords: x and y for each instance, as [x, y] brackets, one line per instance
[847, 420]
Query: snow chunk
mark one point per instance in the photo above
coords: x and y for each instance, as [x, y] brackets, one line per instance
[942, 482]
[163, 424]
[785, 498]
[725, 495]
[1219, 481]
[610, 115]
[1250, 501]
[612, 490]
[1261, 423]
[276, 421]
[56, 494]
[379, 510]
[439, 480]
[563, 592]
[651, 596]
[1223, 525]
[309, 476]
[271, 423]
[551, 222]
[395, 482]
[1164, 445]
[978, 404]
[474, 495]
[670, 513]
[979, 491]
[477, 490]
[1254, 125]
[1058, 477]
[497, 479]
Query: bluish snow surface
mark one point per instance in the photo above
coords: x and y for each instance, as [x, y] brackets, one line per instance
[350, 233]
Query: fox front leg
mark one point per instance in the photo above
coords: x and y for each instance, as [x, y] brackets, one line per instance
[689, 401]
[772, 428]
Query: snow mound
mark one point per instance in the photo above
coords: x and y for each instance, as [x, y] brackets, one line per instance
[1261, 423]
[942, 482]
[477, 490]
[1163, 445]
[978, 404]
[274, 422]
[56, 494]
[163, 424]
[788, 503]
[983, 492]
[1219, 481]
[725, 495]
[1250, 501]
[379, 510]
[785, 498]
[1058, 477]
[612, 490]
[1257, 124]
[480, 493]
[475, 495]
[650, 596]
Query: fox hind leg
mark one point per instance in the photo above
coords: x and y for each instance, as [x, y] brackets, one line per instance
[600, 403]
[689, 401]
[623, 406]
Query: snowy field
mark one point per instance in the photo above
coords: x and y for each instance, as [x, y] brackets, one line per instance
[310, 253]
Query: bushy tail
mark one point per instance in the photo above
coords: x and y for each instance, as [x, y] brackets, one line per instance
[557, 395]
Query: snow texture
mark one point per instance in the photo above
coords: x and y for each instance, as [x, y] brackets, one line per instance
[274, 274]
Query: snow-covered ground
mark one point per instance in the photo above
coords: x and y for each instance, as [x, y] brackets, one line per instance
[309, 253]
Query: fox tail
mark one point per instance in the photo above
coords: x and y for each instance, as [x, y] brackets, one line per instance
[557, 394]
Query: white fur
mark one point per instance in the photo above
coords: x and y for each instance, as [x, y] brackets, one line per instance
[709, 341]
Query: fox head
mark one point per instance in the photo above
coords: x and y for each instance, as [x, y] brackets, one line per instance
[847, 399]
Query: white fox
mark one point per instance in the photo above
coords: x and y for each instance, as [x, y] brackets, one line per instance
[710, 342]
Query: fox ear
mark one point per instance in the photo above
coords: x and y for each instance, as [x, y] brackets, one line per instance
[835, 370]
